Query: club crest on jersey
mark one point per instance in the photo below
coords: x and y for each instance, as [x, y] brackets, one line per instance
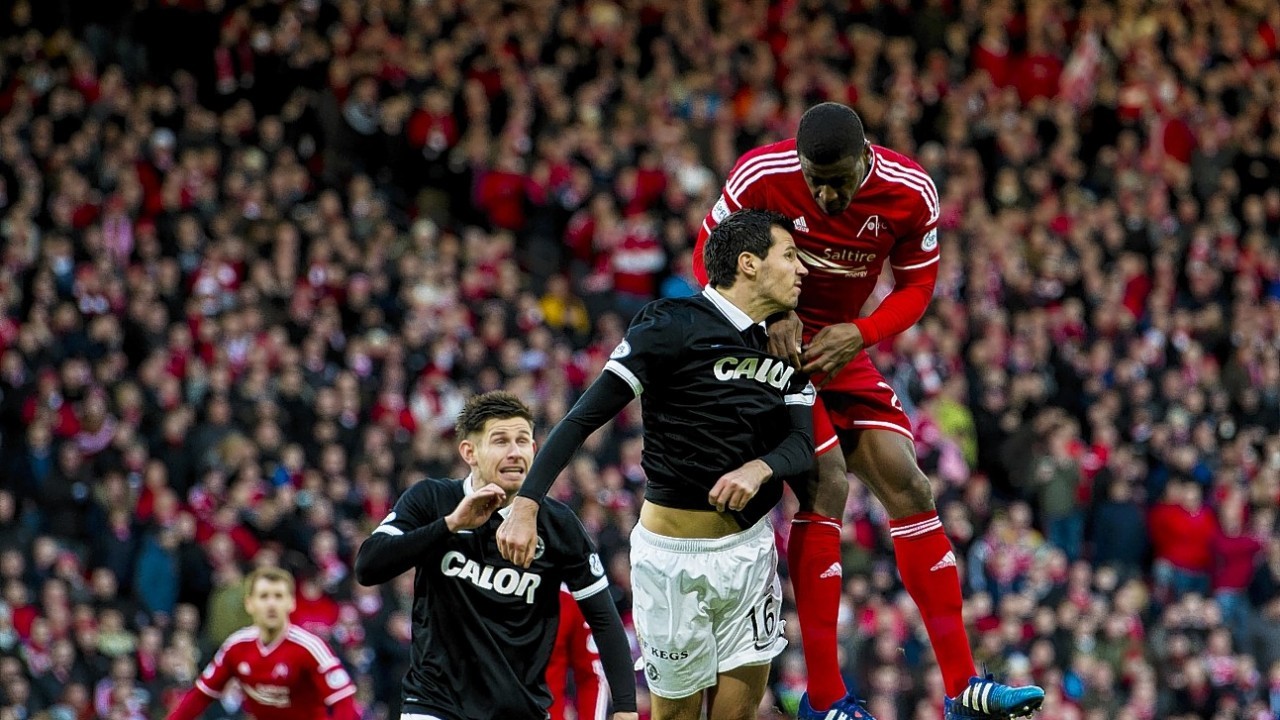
[597, 567]
[873, 224]
[623, 350]
[764, 370]
[930, 240]
[801, 225]
[280, 671]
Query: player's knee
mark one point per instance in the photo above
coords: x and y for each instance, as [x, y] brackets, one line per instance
[832, 492]
[735, 709]
[916, 495]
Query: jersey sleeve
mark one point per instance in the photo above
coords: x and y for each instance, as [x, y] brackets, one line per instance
[333, 682]
[914, 260]
[412, 511]
[742, 189]
[219, 671]
[583, 570]
[800, 391]
[917, 249]
[650, 348]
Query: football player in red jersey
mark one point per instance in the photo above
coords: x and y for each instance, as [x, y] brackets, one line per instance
[855, 205]
[285, 672]
[576, 651]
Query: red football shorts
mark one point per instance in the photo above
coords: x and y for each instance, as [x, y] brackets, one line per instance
[863, 401]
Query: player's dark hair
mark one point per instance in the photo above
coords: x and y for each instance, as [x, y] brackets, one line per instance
[747, 230]
[830, 132]
[495, 405]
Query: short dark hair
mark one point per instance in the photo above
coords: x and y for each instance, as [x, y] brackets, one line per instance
[494, 405]
[747, 230]
[830, 132]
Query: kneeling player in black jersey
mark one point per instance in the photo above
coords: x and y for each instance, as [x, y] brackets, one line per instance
[724, 422]
[483, 628]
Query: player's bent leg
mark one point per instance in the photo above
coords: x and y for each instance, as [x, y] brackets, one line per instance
[738, 693]
[813, 558]
[685, 708]
[886, 460]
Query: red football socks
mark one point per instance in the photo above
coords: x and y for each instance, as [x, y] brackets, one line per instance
[813, 558]
[927, 564]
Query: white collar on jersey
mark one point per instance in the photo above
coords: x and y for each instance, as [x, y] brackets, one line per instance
[469, 487]
[740, 320]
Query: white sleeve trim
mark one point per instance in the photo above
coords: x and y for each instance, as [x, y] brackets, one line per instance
[391, 530]
[621, 371]
[207, 690]
[806, 397]
[592, 589]
[926, 263]
[344, 692]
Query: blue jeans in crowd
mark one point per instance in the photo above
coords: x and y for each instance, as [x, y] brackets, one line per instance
[1067, 534]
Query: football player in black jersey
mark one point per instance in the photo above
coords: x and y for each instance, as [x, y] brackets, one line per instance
[724, 423]
[484, 628]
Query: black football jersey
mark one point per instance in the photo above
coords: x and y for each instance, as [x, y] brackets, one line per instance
[484, 628]
[712, 398]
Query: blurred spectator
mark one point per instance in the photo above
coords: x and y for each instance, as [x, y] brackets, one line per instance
[1182, 533]
[253, 256]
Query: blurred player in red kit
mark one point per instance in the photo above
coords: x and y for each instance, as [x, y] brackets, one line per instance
[285, 672]
[576, 651]
[855, 205]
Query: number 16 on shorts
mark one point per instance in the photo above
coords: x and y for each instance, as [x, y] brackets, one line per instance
[764, 622]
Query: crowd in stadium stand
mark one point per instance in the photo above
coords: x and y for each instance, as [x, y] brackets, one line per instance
[253, 256]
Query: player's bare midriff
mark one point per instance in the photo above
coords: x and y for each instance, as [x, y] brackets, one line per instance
[686, 524]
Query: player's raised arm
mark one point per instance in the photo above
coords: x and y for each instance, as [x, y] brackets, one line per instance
[411, 529]
[633, 363]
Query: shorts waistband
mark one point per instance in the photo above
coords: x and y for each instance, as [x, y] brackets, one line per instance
[703, 545]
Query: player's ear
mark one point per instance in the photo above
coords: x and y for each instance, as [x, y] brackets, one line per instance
[467, 449]
[748, 264]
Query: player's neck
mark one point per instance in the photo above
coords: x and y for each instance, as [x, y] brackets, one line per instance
[745, 299]
[269, 637]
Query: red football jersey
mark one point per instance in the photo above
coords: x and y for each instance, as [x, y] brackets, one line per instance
[295, 678]
[893, 216]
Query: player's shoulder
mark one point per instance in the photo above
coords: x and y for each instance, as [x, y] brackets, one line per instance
[558, 514]
[895, 159]
[233, 646]
[781, 150]
[763, 164]
[243, 636]
[905, 178]
[668, 313]
[565, 528]
[312, 645]
[431, 490]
